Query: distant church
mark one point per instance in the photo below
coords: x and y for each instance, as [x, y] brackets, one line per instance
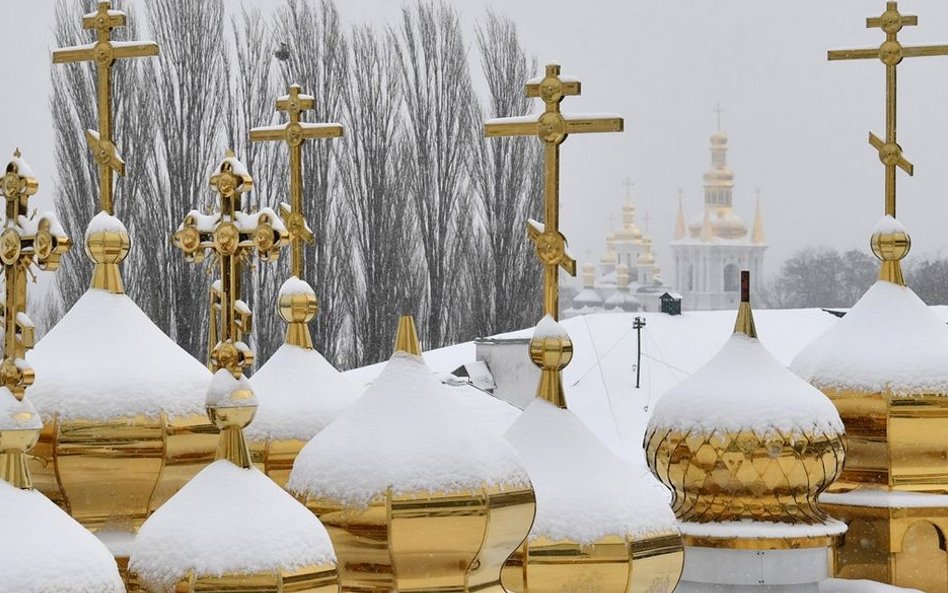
[715, 246]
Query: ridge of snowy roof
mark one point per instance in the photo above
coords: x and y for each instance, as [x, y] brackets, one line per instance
[106, 359]
[228, 520]
[298, 394]
[407, 432]
[743, 387]
[584, 492]
[889, 342]
[44, 549]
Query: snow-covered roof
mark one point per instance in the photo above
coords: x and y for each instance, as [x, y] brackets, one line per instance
[744, 388]
[587, 297]
[228, 520]
[890, 341]
[106, 359]
[298, 394]
[878, 498]
[749, 529]
[408, 432]
[583, 491]
[46, 550]
[860, 586]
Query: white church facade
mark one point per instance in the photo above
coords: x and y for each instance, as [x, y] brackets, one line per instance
[710, 252]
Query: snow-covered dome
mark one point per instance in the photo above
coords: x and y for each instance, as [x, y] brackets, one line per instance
[106, 364]
[228, 521]
[745, 440]
[408, 458]
[300, 393]
[44, 550]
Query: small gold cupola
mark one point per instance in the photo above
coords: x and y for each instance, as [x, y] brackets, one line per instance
[300, 392]
[439, 500]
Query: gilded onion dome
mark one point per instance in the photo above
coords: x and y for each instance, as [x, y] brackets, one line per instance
[629, 231]
[883, 366]
[231, 528]
[417, 494]
[745, 440]
[597, 520]
[300, 392]
[43, 549]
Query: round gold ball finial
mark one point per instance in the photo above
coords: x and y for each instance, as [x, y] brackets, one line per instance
[300, 307]
[552, 353]
[891, 246]
[107, 246]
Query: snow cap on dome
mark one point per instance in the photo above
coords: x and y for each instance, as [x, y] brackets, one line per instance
[743, 387]
[294, 285]
[44, 549]
[299, 393]
[407, 432]
[227, 391]
[228, 520]
[889, 342]
[127, 365]
[584, 492]
[17, 414]
[103, 222]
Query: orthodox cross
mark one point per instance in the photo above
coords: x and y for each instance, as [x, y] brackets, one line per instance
[628, 184]
[294, 133]
[25, 241]
[552, 128]
[891, 53]
[718, 111]
[231, 235]
[103, 54]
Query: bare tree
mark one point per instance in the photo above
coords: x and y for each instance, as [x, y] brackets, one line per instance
[313, 54]
[505, 279]
[439, 102]
[73, 108]
[376, 202]
[189, 88]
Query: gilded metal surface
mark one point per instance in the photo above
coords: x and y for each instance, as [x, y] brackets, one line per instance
[311, 579]
[890, 53]
[232, 246]
[406, 337]
[897, 443]
[612, 564]
[103, 54]
[454, 541]
[744, 324]
[760, 543]
[551, 354]
[738, 475]
[275, 457]
[552, 128]
[904, 547]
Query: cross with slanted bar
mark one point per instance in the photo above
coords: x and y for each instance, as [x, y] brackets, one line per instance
[552, 128]
[294, 133]
[103, 54]
[891, 53]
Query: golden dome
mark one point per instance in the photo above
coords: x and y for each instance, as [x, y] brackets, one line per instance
[629, 230]
[743, 439]
[425, 509]
[723, 224]
[719, 138]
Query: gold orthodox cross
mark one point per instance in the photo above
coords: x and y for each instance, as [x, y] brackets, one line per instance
[103, 54]
[26, 240]
[295, 133]
[231, 235]
[552, 128]
[891, 53]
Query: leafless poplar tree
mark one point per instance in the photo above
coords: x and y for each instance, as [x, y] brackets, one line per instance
[73, 109]
[188, 90]
[375, 197]
[507, 176]
[439, 103]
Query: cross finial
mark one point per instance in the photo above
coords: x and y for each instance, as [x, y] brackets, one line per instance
[890, 53]
[718, 111]
[294, 133]
[628, 184]
[103, 53]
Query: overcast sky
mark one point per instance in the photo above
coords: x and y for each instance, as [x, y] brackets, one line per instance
[798, 125]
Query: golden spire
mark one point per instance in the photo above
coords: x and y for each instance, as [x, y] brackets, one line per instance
[25, 241]
[757, 236]
[745, 317]
[707, 231]
[890, 247]
[107, 244]
[299, 308]
[680, 220]
[103, 54]
[552, 128]
[406, 338]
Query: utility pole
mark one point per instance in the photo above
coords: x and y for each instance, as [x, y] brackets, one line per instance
[638, 324]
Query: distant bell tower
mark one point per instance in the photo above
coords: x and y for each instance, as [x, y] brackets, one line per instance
[716, 244]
